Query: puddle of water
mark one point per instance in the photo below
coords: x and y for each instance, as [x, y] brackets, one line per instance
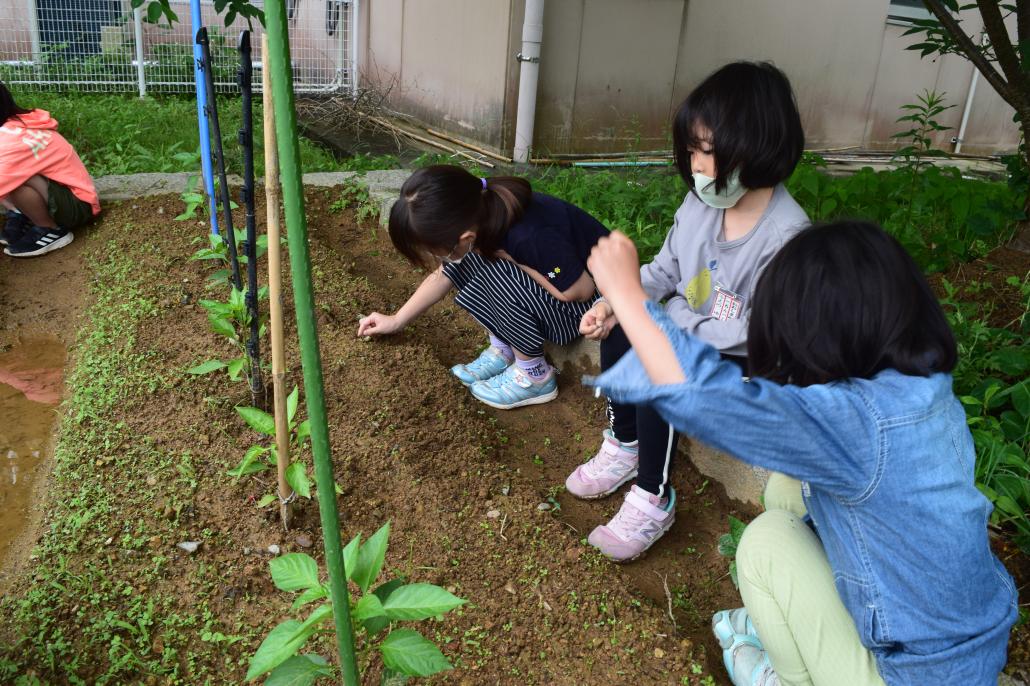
[31, 381]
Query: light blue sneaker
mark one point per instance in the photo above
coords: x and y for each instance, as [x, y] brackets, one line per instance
[513, 388]
[489, 364]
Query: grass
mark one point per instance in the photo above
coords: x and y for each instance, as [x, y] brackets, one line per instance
[123, 134]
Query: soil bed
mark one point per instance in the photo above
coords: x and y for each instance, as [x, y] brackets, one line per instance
[144, 448]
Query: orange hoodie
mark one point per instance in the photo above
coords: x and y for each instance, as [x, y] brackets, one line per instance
[30, 145]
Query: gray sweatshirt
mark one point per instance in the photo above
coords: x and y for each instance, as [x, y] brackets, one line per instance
[708, 282]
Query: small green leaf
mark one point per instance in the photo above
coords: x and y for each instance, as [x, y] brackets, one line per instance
[299, 670]
[221, 326]
[309, 595]
[420, 601]
[237, 300]
[304, 430]
[368, 607]
[350, 556]
[259, 420]
[235, 367]
[409, 652]
[285, 640]
[370, 558]
[266, 500]
[291, 405]
[297, 477]
[249, 464]
[154, 11]
[206, 367]
[376, 624]
[294, 571]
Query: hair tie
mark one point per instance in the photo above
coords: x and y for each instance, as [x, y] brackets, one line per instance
[483, 179]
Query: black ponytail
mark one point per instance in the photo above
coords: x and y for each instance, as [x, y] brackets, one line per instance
[439, 203]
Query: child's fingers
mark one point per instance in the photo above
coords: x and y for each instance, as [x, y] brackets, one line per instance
[366, 325]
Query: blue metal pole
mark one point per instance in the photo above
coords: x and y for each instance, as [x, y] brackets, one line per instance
[199, 76]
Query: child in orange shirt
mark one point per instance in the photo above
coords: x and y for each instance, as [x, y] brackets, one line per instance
[43, 184]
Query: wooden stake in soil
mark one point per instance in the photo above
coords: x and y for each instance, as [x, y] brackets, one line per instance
[275, 305]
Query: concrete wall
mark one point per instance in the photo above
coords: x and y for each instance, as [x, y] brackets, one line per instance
[445, 62]
[613, 72]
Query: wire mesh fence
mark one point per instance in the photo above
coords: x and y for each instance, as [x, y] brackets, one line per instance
[103, 45]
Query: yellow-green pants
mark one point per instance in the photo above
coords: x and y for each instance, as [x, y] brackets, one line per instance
[787, 586]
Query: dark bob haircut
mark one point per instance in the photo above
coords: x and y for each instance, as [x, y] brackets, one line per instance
[844, 300]
[439, 203]
[752, 115]
[8, 107]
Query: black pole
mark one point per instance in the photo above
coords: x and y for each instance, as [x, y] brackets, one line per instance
[216, 132]
[245, 75]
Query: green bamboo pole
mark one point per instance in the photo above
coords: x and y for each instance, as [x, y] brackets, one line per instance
[300, 266]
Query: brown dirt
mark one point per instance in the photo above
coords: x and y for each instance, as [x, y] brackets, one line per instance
[40, 300]
[985, 281]
[412, 447]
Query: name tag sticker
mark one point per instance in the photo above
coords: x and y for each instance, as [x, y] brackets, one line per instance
[726, 304]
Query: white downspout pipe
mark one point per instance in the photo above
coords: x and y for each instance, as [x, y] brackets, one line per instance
[354, 33]
[529, 57]
[969, 103]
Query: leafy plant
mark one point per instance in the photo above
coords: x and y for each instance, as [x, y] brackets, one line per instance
[991, 382]
[939, 216]
[264, 423]
[192, 198]
[405, 652]
[355, 194]
[921, 117]
[231, 320]
[728, 544]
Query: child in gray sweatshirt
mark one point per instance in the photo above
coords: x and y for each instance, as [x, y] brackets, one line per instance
[736, 138]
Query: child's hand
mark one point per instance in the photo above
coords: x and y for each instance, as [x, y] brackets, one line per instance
[616, 269]
[377, 324]
[598, 322]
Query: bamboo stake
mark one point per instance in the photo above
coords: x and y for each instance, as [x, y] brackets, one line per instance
[275, 304]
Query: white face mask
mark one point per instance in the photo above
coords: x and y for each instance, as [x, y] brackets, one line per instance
[704, 186]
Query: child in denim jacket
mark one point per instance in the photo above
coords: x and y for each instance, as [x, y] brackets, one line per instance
[871, 564]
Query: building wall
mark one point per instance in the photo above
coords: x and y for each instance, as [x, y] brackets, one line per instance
[444, 62]
[613, 72]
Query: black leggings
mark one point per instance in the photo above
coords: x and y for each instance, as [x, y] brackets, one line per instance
[630, 423]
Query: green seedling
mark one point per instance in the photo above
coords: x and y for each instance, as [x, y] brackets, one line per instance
[258, 458]
[405, 652]
[728, 543]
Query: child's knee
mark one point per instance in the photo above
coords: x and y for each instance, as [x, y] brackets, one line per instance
[784, 493]
[773, 539]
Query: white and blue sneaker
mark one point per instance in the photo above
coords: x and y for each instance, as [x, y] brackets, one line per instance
[513, 388]
[489, 364]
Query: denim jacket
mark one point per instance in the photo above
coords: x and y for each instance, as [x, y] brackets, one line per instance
[886, 466]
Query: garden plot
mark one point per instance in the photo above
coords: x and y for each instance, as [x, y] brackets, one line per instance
[144, 450]
[473, 495]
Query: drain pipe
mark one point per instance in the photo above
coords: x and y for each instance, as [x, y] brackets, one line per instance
[961, 137]
[529, 58]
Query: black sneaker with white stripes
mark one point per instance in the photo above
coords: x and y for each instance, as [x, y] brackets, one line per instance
[38, 240]
[14, 228]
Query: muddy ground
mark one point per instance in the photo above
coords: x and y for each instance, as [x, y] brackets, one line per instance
[113, 600]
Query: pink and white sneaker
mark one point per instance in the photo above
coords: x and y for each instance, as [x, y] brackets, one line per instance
[613, 465]
[642, 520]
